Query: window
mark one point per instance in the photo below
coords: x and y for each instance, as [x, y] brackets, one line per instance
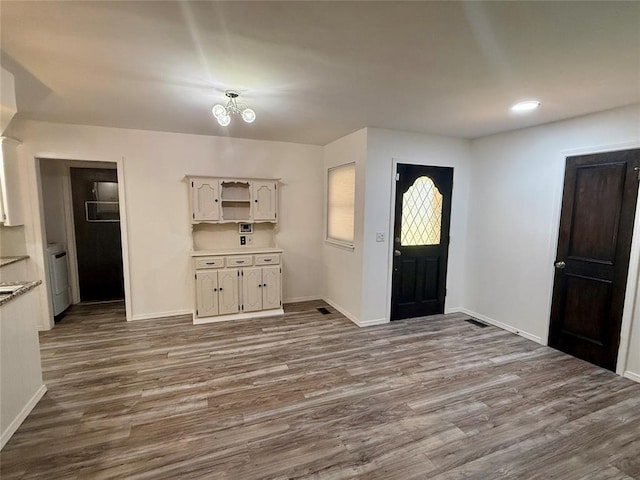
[341, 186]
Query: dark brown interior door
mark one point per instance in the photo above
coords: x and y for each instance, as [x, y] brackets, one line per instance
[421, 240]
[96, 217]
[592, 261]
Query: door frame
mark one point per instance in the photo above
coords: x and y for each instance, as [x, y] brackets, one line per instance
[40, 232]
[392, 218]
[631, 299]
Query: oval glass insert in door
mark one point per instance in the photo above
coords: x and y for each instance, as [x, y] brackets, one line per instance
[421, 214]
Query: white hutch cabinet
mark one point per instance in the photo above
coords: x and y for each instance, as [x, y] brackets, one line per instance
[237, 281]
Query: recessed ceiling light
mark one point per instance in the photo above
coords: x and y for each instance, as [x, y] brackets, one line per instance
[525, 106]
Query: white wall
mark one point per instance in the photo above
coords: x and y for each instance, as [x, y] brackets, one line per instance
[342, 267]
[383, 147]
[514, 213]
[159, 231]
[52, 173]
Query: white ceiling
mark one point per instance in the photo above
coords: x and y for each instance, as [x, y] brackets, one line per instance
[315, 71]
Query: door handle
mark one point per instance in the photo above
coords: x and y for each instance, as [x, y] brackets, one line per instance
[560, 265]
[397, 253]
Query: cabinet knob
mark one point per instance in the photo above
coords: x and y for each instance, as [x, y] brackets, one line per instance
[216, 200]
[215, 289]
[259, 285]
[264, 284]
[220, 289]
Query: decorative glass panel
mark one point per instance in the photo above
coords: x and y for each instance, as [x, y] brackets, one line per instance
[421, 214]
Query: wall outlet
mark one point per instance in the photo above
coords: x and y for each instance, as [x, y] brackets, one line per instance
[243, 240]
[249, 240]
[379, 236]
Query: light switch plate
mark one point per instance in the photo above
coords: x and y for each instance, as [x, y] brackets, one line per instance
[379, 236]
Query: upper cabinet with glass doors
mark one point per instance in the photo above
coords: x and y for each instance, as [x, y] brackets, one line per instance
[233, 200]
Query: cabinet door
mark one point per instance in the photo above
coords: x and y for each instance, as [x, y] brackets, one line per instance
[271, 287]
[11, 213]
[264, 200]
[206, 199]
[252, 289]
[207, 293]
[228, 291]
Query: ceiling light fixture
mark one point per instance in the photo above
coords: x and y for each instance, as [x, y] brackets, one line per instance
[223, 112]
[525, 106]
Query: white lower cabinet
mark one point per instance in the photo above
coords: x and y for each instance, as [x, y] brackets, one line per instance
[217, 292]
[229, 293]
[261, 288]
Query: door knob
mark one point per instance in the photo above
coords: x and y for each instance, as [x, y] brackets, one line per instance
[397, 253]
[559, 265]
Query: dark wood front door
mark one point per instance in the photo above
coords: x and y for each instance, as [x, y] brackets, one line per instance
[421, 240]
[592, 260]
[96, 217]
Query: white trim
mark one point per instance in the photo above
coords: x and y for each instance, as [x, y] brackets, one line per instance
[302, 299]
[238, 316]
[70, 234]
[343, 311]
[157, 315]
[503, 326]
[631, 376]
[372, 322]
[339, 244]
[40, 236]
[24, 413]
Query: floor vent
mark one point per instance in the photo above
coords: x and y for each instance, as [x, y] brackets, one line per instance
[476, 322]
[323, 311]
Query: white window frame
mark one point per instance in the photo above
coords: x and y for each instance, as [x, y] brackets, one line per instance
[335, 241]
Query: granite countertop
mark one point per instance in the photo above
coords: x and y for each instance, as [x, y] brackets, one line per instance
[24, 288]
[9, 260]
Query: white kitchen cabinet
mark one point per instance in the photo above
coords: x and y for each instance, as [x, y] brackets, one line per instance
[238, 285]
[233, 200]
[11, 213]
[251, 289]
[205, 200]
[217, 292]
[271, 287]
[264, 200]
[207, 293]
[228, 291]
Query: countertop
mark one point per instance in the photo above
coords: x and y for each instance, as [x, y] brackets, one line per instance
[24, 288]
[9, 260]
[235, 251]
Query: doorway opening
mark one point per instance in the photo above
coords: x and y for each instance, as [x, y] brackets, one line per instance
[592, 260]
[81, 213]
[420, 240]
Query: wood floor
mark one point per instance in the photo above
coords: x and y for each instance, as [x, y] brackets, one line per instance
[313, 396]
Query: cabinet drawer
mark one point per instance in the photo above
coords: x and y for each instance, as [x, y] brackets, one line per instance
[268, 259]
[210, 262]
[239, 261]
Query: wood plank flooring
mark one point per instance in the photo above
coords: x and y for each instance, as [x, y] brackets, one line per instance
[313, 396]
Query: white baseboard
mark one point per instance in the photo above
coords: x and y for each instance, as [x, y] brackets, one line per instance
[350, 316]
[153, 316]
[238, 316]
[343, 311]
[24, 413]
[302, 299]
[373, 322]
[496, 323]
[631, 376]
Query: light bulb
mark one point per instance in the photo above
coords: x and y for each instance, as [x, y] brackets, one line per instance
[224, 120]
[248, 115]
[525, 106]
[219, 111]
